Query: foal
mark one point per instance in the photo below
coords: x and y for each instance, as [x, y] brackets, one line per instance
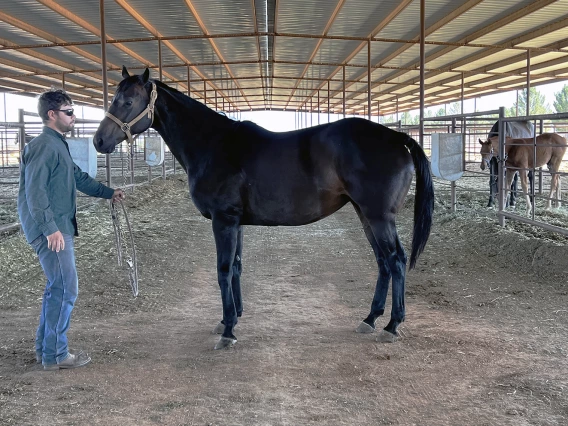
[519, 155]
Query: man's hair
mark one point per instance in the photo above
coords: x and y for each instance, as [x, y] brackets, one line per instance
[52, 99]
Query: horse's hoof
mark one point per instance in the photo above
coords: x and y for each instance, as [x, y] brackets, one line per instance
[365, 328]
[219, 328]
[225, 342]
[386, 337]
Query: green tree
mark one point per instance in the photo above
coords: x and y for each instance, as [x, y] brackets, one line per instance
[408, 119]
[561, 101]
[537, 106]
[453, 108]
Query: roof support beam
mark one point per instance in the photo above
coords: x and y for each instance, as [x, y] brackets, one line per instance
[258, 52]
[394, 13]
[94, 30]
[448, 18]
[213, 44]
[457, 65]
[326, 29]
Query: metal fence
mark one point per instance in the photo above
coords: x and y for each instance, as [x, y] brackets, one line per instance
[476, 126]
[128, 172]
[123, 170]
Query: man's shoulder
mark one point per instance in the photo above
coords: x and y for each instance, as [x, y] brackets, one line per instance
[42, 136]
[43, 144]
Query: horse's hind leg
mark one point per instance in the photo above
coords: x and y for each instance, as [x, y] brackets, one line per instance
[237, 270]
[235, 281]
[226, 230]
[398, 268]
[382, 286]
[393, 255]
[553, 169]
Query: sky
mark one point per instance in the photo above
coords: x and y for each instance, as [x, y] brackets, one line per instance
[276, 121]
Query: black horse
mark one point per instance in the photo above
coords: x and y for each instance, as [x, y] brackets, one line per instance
[241, 174]
[513, 129]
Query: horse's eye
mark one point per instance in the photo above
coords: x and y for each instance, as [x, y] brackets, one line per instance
[128, 103]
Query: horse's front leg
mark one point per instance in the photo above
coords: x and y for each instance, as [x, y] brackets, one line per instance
[509, 174]
[226, 230]
[235, 281]
[511, 201]
[493, 174]
[524, 185]
[531, 185]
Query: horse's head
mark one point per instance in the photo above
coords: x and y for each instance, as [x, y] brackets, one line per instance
[487, 152]
[131, 111]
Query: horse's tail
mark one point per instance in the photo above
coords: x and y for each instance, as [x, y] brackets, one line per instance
[423, 201]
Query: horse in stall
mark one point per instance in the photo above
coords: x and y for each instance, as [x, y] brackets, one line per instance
[519, 156]
[513, 129]
[241, 174]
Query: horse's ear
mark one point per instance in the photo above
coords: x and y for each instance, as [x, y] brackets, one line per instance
[125, 72]
[480, 141]
[146, 75]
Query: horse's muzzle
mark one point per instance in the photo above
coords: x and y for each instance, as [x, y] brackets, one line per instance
[98, 142]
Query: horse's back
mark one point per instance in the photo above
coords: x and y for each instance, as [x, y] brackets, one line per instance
[548, 146]
[346, 145]
[514, 129]
[304, 175]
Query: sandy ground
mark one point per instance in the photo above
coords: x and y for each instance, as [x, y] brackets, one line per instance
[484, 342]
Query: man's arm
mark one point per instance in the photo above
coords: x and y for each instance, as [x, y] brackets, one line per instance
[39, 164]
[87, 185]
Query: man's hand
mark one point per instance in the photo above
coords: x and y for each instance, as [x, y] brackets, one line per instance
[118, 195]
[55, 241]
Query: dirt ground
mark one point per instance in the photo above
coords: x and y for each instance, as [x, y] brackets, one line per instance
[484, 342]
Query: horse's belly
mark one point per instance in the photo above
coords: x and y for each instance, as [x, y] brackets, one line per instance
[292, 209]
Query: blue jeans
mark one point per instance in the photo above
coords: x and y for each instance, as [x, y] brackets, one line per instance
[58, 299]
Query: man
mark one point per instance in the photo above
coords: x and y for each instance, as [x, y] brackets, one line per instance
[47, 207]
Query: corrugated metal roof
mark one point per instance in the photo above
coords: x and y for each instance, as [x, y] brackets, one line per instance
[261, 54]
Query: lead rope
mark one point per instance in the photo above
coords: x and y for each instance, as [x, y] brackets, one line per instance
[125, 248]
[124, 252]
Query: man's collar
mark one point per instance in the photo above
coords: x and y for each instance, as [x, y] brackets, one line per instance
[54, 132]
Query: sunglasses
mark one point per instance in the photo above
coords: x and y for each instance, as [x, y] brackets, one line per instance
[67, 112]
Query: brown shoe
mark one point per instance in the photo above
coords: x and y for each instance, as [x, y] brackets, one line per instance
[72, 361]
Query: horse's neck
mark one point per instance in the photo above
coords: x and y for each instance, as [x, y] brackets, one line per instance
[187, 126]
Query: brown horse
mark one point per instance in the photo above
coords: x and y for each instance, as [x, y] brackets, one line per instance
[519, 155]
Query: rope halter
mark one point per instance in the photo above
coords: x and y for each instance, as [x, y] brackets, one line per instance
[125, 127]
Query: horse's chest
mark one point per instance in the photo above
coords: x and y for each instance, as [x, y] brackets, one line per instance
[210, 197]
[201, 203]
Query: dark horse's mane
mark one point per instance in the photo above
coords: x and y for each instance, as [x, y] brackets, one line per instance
[218, 119]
